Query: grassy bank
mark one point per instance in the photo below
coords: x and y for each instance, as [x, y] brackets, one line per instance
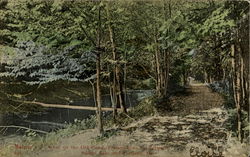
[32, 142]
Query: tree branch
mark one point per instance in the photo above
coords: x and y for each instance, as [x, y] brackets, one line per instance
[22, 127]
[65, 106]
[84, 31]
[145, 70]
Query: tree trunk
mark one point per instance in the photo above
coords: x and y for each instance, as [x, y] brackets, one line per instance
[166, 58]
[113, 98]
[98, 73]
[114, 87]
[117, 85]
[158, 69]
[236, 64]
[224, 74]
[244, 47]
[120, 90]
[166, 73]
[205, 77]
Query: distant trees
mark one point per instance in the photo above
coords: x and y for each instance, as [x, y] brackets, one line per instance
[223, 53]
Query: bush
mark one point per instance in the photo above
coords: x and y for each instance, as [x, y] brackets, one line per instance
[231, 123]
[145, 108]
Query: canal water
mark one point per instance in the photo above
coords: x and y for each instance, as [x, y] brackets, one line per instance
[55, 118]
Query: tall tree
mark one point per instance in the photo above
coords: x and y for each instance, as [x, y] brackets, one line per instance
[98, 71]
[117, 88]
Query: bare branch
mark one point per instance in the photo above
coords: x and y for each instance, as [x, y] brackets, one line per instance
[22, 127]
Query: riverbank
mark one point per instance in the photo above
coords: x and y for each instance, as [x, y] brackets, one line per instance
[22, 105]
[34, 142]
[192, 128]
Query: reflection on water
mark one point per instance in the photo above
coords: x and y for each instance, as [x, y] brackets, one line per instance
[55, 118]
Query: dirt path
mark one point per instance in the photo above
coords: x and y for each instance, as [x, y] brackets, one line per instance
[194, 128]
[192, 99]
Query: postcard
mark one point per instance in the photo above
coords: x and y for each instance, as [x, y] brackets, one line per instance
[124, 78]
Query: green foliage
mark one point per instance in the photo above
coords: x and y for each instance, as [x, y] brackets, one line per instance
[62, 24]
[30, 135]
[145, 108]
[106, 135]
[217, 22]
[231, 123]
[213, 37]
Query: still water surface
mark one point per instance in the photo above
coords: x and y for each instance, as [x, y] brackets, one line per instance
[55, 118]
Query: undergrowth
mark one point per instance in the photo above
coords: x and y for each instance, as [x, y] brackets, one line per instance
[231, 123]
[38, 142]
[145, 108]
